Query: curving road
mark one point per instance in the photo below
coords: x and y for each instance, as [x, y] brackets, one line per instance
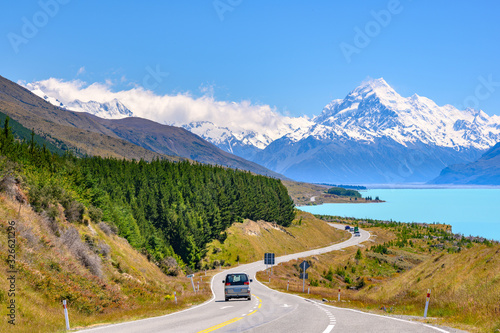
[270, 310]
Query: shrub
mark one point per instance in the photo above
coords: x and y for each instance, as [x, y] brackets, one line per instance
[74, 211]
[103, 249]
[108, 229]
[358, 255]
[95, 214]
[71, 238]
[340, 272]
[170, 266]
[329, 275]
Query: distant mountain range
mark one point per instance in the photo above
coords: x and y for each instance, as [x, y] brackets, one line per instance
[131, 137]
[484, 171]
[373, 135]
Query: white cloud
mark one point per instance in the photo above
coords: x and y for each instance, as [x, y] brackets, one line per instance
[177, 109]
[81, 71]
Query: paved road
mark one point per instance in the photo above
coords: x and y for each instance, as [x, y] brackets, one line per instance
[269, 310]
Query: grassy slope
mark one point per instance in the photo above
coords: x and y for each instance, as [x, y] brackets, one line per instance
[465, 285]
[250, 240]
[130, 287]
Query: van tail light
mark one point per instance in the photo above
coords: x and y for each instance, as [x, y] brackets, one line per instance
[228, 283]
[247, 283]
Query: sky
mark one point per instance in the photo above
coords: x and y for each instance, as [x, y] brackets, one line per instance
[291, 57]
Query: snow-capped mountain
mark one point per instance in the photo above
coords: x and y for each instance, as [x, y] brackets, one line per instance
[375, 110]
[37, 90]
[108, 110]
[243, 142]
[113, 109]
[374, 135]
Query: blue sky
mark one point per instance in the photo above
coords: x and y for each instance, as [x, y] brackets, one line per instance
[290, 55]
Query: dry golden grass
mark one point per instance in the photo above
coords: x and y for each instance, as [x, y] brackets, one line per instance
[131, 287]
[465, 286]
[249, 241]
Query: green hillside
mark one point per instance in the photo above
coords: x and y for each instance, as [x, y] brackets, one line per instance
[22, 133]
[166, 209]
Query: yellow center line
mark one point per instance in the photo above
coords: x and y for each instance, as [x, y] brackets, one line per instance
[216, 327]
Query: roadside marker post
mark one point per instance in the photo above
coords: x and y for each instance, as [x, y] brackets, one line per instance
[66, 315]
[339, 295]
[308, 287]
[175, 297]
[304, 265]
[192, 282]
[287, 284]
[427, 302]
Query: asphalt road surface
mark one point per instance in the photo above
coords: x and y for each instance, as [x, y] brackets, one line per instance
[269, 310]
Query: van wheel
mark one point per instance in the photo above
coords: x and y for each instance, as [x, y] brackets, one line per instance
[249, 298]
[226, 299]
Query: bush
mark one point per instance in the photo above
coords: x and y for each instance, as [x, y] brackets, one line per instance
[103, 249]
[170, 266]
[329, 275]
[340, 272]
[95, 214]
[74, 211]
[358, 255]
[107, 229]
[71, 238]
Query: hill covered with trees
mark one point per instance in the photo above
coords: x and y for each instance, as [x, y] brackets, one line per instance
[163, 208]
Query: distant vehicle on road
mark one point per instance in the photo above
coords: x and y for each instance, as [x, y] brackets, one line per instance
[348, 228]
[357, 234]
[356, 229]
[237, 285]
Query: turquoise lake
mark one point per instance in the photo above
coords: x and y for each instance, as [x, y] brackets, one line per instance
[473, 212]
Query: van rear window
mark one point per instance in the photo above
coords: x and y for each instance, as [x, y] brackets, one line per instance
[237, 278]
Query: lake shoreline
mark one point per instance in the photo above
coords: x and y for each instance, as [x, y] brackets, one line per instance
[470, 211]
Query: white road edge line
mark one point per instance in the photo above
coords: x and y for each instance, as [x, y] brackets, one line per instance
[329, 328]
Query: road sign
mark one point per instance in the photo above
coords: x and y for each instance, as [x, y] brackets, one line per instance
[192, 282]
[302, 276]
[304, 265]
[269, 258]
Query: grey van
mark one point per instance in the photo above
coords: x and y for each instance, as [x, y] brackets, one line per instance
[237, 285]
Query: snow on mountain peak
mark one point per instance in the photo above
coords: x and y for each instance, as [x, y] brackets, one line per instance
[113, 109]
[372, 110]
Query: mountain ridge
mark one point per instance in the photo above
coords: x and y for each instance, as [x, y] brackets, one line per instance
[131, 137]
[484, 171]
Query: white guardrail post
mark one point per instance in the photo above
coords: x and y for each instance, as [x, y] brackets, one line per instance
[66, 314]
[339, 295]
[427, 302]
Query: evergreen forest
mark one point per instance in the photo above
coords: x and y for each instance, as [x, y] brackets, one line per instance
[164, 209]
